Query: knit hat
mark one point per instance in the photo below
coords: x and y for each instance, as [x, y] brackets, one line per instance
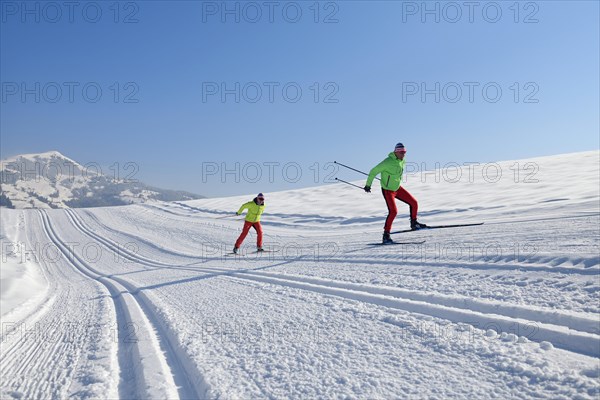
[400, 147]
[260, 196]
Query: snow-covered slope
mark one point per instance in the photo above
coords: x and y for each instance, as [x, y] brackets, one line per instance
[51, 180]
[144, 301]
[519, 189]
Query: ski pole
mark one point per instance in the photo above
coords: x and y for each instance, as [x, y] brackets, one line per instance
[345, 166]
[224, 216]
[348, 183]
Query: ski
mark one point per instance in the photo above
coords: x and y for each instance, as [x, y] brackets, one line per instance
[393, 243]
[438, 227]
[241, 254]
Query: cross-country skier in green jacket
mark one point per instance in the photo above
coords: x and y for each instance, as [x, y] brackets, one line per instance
[255, 209]
[391, 170]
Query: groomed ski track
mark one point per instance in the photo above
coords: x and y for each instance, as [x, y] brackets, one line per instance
[571, 332]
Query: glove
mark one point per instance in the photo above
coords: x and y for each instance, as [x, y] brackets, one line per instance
[368, 189]
[237, 213]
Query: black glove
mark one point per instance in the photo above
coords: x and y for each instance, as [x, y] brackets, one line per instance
[368, 189]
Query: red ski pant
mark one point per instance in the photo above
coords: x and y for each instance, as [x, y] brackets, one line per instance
[246, 229]
[390, 199]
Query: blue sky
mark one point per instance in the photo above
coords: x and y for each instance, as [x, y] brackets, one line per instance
[361, 68]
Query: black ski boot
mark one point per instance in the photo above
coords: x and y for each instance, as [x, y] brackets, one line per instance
[235, 250]
[386, 238]
[259, 249]
[416, 225]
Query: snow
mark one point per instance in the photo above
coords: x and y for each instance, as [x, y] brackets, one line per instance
[143, 301]
[22, 283]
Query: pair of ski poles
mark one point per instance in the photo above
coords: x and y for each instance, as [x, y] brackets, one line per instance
[337, 179]
[353, 169]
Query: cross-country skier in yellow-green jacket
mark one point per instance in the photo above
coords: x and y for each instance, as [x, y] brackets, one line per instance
[255, 209]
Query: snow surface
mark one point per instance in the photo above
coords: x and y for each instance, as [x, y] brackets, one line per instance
[21, 281]
[144, 301]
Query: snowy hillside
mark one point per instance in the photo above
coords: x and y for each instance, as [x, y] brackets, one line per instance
[145, 301]
[51, 180]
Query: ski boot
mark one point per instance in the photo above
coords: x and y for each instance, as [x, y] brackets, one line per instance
[235, 250]
[416, 225]
[386, 238]
[259, 249]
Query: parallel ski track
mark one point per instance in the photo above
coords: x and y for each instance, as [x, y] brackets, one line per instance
[575, 333]
[405, 260]
[146, 242]
[42, 350]
[156, 349]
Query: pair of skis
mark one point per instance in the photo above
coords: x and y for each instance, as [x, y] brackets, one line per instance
[248, 253]
[423, 229]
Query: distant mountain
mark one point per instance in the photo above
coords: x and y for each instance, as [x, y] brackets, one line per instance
[51, 180]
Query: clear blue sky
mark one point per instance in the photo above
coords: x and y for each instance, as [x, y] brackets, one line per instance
[371, 61]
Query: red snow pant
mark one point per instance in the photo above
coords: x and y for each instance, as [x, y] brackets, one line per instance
[390, 199]
[246, 229]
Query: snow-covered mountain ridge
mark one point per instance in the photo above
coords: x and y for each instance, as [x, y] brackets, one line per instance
[51, 180]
